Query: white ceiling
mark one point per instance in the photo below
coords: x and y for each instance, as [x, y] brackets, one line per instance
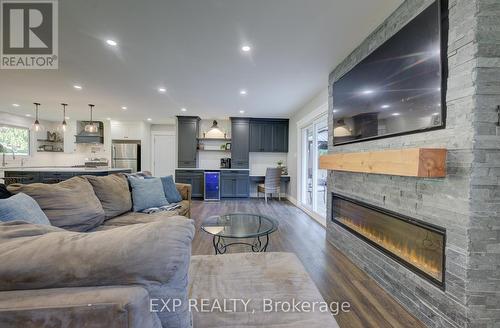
[192, 47]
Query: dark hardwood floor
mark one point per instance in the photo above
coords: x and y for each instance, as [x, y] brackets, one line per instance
[336, 277]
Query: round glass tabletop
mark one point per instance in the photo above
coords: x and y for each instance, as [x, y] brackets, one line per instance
[239, 225]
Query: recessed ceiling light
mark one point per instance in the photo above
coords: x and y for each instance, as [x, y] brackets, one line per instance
[395, 114]
[149, 119]
[162, 90]
[183, 110]
[435, 114]
[15, 105]
[385, 106]
[242, 112]
[246, 48]
[124, 108]
[108, 118]
[77, 87]
[243, 92]
[112, 43]
[28, 115]
[335, 110]
[367, 92]
[67, 117]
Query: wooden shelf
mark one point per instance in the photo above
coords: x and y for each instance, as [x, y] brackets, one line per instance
[219, 150]
[415, 162]
[214, 139]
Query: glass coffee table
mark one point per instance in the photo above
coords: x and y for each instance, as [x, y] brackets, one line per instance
[225, 229]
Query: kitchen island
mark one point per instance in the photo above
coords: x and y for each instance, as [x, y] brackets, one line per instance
[27, 175]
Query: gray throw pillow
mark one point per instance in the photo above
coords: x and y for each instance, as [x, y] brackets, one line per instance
[147, 193]
[113, 193]
[71, 204]
[22, 207]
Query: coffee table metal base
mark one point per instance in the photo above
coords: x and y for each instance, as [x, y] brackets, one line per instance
[259, 244]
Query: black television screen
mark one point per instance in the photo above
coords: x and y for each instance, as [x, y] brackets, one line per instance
[396, 89]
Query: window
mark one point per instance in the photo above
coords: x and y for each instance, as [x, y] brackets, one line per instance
[14, 140]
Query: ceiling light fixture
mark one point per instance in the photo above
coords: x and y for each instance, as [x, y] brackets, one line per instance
[162, 90]
[64, 125]
[367, 92]
[149, 119]
[395, 114]
[435, 114]
[108, 118]
[385, 106]
[36, 124]
[28, 115]
[91, 127]
[112, 43]
[242, 112]
[246, 48]
[124, 108]
[183, 110]
[243, 92]
[15, 105]
[77, 87]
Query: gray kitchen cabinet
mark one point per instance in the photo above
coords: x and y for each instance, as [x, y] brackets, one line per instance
[240, 136]
[194, 178]
[187, 141]
[280, 137]
[269, 135]
[235, 184]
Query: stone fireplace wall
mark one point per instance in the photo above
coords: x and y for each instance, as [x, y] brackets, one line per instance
[467, 202]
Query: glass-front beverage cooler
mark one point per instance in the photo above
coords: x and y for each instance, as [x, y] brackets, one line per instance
[212, 186]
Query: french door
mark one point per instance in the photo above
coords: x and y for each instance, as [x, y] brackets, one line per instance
[313, 194]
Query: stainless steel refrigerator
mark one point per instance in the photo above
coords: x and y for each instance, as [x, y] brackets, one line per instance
[126, 156]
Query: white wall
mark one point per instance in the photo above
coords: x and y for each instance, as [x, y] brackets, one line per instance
[75, 154]
[316, 102]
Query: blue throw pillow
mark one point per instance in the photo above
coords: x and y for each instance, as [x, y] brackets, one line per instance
[147, 193]
[22, 207]
[171, 192]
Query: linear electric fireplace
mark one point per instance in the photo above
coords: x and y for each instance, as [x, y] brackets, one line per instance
[417, 245]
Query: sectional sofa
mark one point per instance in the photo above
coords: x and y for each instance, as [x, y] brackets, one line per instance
[100, 265]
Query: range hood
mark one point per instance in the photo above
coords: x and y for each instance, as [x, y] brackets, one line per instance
[84, 137]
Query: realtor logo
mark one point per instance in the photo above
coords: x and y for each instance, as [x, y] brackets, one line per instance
[29, 35]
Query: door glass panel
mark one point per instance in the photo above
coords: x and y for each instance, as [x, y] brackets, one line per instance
[321, 133]
[309, 166]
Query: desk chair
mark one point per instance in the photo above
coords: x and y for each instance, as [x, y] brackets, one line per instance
[272, 183]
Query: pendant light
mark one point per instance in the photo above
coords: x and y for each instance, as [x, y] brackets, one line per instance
[91, 127]
[36, 125]
[64, 125]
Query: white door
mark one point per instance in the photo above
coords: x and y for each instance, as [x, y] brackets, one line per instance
[163, 155]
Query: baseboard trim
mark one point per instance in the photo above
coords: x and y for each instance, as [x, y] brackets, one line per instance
[318, 218]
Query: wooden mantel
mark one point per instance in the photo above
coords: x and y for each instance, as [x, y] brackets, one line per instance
[415, 162]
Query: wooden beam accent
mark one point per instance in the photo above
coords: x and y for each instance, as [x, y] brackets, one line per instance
[415, 162]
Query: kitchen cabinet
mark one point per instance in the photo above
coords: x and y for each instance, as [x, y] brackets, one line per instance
[235, 184]
[194, 178]
[126, 131]
[269, 135]
[49, 176]
[187, 132]
[240, 143]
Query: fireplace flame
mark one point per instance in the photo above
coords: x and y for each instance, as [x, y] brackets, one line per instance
[401, 249]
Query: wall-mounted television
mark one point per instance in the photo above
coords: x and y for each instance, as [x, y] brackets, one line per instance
[400, 87]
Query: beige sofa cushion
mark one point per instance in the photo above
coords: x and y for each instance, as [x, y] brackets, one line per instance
[110, 307]
[71, 204]
[113, 192]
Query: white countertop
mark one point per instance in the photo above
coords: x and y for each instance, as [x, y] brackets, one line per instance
[61, 169]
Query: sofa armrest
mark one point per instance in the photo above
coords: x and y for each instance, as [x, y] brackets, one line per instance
[156, 253]
[185, 190]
